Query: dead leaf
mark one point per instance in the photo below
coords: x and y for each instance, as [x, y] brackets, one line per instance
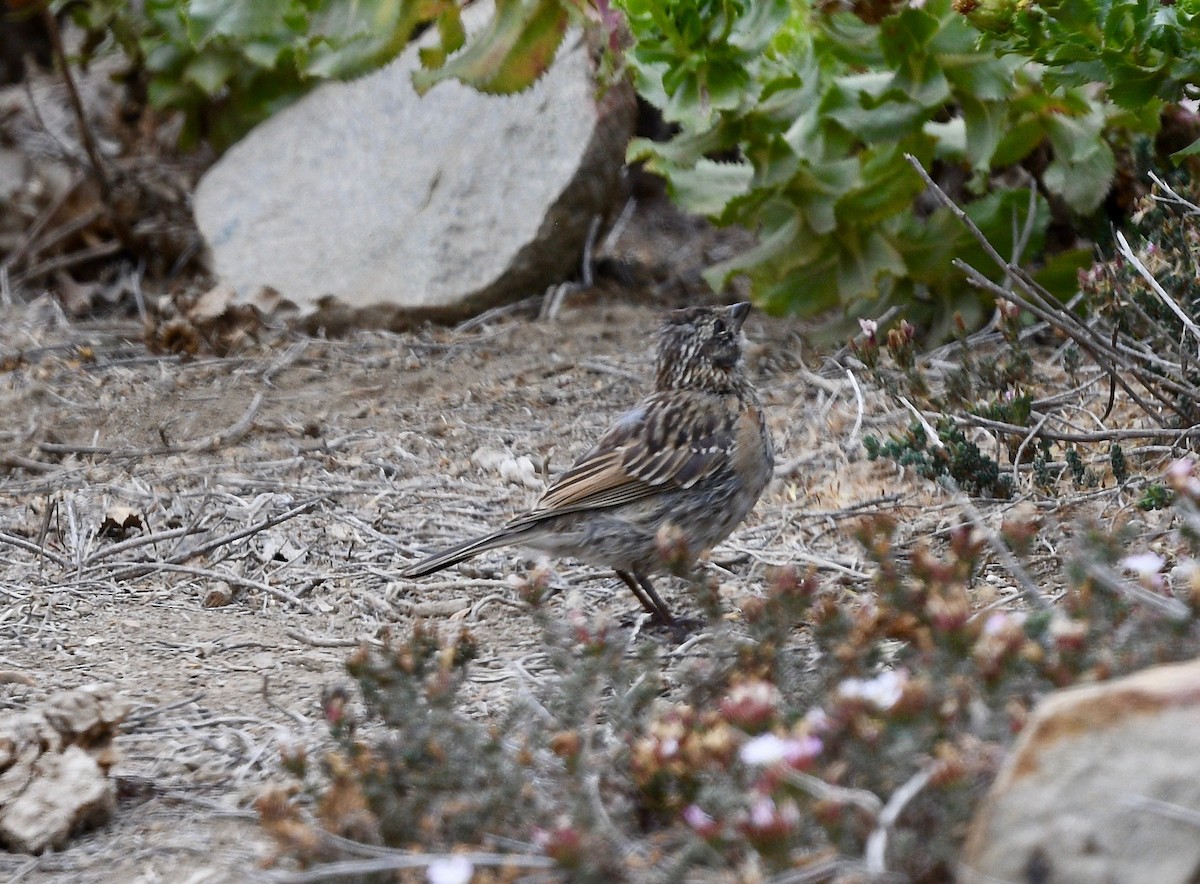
[278, 547]
[77, 298]
[212, 305]
[219, 595]
[119, 521]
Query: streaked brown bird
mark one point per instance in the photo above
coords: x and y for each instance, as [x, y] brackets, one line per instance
[693, 457]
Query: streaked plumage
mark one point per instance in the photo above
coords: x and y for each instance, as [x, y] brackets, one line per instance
[695, 454]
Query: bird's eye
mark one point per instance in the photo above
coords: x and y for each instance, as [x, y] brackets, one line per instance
[719, 327]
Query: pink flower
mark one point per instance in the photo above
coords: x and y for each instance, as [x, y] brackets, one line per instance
[817, 720]
[751, 705]
[883, 691]
[1181, 477]
[767, 821]
[1068, 634]
[770, 749]
[762, 813]
[1001, 621]
[703, 824]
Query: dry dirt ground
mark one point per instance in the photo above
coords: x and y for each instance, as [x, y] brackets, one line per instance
[377, 448]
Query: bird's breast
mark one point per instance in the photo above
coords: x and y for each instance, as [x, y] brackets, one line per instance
[753, 453]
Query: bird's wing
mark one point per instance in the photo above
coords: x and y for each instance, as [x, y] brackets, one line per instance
[668, 441]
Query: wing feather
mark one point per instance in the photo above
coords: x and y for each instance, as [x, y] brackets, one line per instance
[669, 441]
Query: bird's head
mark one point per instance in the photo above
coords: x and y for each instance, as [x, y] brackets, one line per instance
[700, 348]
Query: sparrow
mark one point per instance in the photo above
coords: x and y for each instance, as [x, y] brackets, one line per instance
[689, 461]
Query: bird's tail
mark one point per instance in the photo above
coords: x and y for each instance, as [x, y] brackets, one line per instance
[463, 551]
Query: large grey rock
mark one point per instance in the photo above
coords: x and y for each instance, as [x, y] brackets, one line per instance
[364, 196]
[1102, 785]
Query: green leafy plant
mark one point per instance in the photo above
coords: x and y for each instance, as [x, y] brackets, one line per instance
[1147, 54]
[795, 121]
[228, 64]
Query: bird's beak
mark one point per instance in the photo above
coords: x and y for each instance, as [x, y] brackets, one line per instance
[738, 314]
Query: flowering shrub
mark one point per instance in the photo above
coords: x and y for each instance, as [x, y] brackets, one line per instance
[817, 724]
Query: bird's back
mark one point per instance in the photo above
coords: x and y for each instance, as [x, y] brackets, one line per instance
[694, 460]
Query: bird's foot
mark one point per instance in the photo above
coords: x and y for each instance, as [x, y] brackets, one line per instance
[679, 628]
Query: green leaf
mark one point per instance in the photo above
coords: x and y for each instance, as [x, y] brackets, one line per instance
[775, 164]
[758, 26]
[905, 35]
[510, 53]
[1083, 166]
[1075, 138]
[985, 127]
[357, 37]
[1001, 217]
[1082, 183]
[888, 187]
[725, 87]
[865, 106]
[772, 244]
[708, 187]
[1021, 137]
[928, 245]
[450, 28]
[164, 93]
[264, 53]
[239, 19]
[1132, 86]
[683, 150]
[924, 82]
[210, 72]
[864, 256]
[980, 75]
[1191, 150]
[1059, 275]
[805, 293]
[163, 58]
[949, 139]
[816, 189]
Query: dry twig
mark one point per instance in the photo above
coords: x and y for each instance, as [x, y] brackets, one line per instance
[1121, 362]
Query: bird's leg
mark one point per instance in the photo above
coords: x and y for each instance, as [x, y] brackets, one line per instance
[636, 589]
[638, 585]
[641, 587]
[662, 611]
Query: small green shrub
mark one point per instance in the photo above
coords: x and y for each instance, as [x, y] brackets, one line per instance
[954, 456]
[1155, 496]
[1164, 237]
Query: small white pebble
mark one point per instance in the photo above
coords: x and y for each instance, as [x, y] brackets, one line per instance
[520, 471]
